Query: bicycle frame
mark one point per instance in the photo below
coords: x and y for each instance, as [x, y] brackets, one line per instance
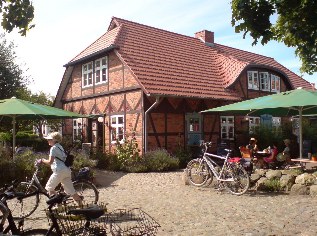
[15, 229]
[36, 182]
[212, 164]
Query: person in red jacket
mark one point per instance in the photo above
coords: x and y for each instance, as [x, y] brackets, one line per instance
[272, 157]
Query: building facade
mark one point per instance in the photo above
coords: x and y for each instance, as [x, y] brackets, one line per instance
[140, 81]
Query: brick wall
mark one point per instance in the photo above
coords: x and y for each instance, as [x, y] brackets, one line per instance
[121, 102]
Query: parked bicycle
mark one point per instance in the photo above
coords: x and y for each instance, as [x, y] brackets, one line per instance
[7, 224]
[230, 175]
[30, 191]
[92, 219]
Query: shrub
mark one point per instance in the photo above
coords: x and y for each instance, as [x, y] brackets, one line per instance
[273, 185]
[106, 161]
[82, 160]
[22, 167]
[184, 156]
[160, 160]
[127, 153]
[5, 136]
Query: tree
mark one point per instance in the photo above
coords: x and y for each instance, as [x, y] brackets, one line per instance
[44, 99]
[17, 14]
[12, 78]
[295, 25]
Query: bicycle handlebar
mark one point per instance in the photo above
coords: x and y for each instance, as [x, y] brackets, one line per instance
[209, 144]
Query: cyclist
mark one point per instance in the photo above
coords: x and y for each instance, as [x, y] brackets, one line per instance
[61, 173]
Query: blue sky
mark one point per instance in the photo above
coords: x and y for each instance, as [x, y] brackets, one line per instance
[66, 27]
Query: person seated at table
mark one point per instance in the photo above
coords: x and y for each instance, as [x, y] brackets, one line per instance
[252, 146]
[284, 157]
[273, 153]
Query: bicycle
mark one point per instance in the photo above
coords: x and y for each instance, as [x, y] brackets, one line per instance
[11, 227]
[231, 175]
[32, 189]
[93, 220]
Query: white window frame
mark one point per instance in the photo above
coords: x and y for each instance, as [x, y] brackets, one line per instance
[101, 71]
[264, 81]
[276, 122]
[227, 127]
[253, 80]
[117, 128]
[275, 83]
[77, 129]
[254, 121]
[87, 74]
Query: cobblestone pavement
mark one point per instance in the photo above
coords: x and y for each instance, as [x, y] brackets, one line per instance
[186, 210]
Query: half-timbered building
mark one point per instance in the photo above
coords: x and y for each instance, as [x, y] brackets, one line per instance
[152, 83]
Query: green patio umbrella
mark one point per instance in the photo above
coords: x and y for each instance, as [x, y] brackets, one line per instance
[296, 102]
[18, 109]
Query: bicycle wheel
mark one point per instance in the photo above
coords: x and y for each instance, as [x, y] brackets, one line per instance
[237, 179]
[22, 207]
[35, 232]
[198, 172]
[88, 190]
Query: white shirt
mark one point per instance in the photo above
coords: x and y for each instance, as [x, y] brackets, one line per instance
[58, 151]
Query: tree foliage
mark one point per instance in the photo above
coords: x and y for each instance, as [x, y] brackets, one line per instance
[295, 25]
[12, 78]
[17, 14]
[43, 99]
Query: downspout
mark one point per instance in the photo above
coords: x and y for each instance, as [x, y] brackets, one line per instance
[145, 121]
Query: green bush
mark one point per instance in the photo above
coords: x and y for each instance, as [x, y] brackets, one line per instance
[82, 160]
[106, 161]
[160, 160]
[273, 185]
[26, 139]
[22, 167]
[127, 153]
[184, 156]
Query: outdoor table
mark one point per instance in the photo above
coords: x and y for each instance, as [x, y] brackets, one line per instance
[263, 153]
[303, 161]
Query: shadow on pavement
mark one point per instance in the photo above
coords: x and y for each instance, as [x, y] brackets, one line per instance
[104, 178]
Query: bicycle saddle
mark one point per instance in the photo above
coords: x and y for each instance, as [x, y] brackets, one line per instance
[89, 213]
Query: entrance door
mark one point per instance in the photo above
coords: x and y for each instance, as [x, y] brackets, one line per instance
[97, 134]
[193, 128]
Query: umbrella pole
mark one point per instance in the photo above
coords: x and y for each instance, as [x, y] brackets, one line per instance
[13, 135]
[300, 133]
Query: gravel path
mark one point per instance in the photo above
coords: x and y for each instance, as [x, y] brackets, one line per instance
[186, 210]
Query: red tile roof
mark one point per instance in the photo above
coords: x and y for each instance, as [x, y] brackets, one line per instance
[103, 42]
[172, 64]
[259, 60]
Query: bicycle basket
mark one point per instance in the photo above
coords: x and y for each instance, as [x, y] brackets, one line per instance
[124, 222]
[74, 224]
[83, 173]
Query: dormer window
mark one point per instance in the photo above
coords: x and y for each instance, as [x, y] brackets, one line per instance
[253, 80]
[101, 73]
[264, 81]
[95, 72]
[275, 83]
[87, 74]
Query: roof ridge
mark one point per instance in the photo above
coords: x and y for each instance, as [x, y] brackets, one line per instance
[93, 43]
[242, 50]
[152, 27]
